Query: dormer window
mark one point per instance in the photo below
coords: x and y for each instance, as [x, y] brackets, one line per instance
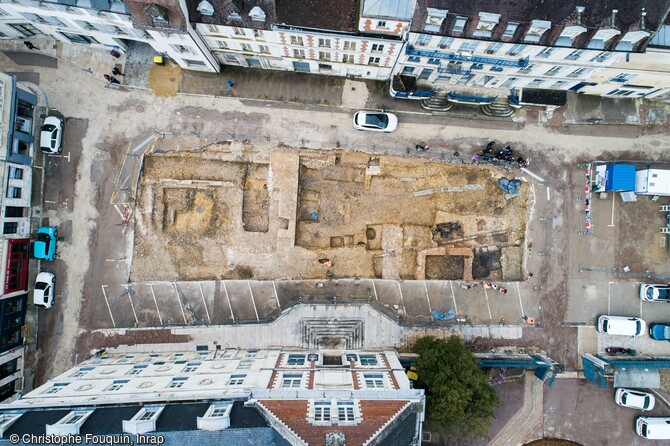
[257, 14]
[205, 8]
[216, 418]
[568, 35]
[487, 22]
[69, 424]
[434, 19]
[630, 39]
[144, 420]
[600, 38]
[159, 14]
[510, 29]
[537, 29]
[334, 412]
[459, 25]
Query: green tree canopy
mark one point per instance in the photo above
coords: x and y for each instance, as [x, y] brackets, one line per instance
[459, 398]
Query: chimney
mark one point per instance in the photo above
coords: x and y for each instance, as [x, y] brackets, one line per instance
[613, 19]
[580, 11]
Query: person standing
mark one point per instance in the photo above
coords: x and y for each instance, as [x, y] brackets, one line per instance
[231, 84]
[111, 79]
[29, 44]
[117, 72]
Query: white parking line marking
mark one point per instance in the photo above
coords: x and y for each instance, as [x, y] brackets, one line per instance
[611, 225]
[108, 307]
[374, 288]
[518, 292]
[276, 296]
[204, 303]
[228, 299]
[156, 302]
[537, 177]
[402, 299]
[487, 303]
[176, 291]
[132, 306]
[453, 296]
[253, 301]
[548, 194]
[609, 297]
[430, 310]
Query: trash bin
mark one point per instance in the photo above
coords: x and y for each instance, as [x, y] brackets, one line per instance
[158, 60]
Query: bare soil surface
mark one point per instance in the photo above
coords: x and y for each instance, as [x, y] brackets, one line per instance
[164, 79]
[231, 212]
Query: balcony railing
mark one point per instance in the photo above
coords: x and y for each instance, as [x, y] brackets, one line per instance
[463, 58]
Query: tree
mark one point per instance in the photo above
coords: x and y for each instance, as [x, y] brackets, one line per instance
[459, 398]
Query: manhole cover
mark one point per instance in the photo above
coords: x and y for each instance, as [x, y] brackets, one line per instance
[199, 209]
[139, 109]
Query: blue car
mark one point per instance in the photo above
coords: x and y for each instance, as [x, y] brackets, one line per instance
[44, 247]
[660, 332]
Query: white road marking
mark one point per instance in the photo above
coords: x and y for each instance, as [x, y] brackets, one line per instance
[453, 296]
[537, 177]
[518, 292]
[156, 302]
[487, 304]
[204, 303]
[609, 297]
[425, 287]
[176, 292]
[108, 307]
[402, 300]
[276, 296]
[253, 301]
[548, 194]
[228, 299]
[132, 306]
[611, 225]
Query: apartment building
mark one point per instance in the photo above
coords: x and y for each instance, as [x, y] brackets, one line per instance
[17, 147]
[110, 24]
[560, 45]
[228, 396]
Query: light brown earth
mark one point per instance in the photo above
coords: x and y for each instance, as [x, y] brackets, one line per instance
[164, 79]
[228, 211]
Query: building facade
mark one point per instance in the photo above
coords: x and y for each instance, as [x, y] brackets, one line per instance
[296, 397]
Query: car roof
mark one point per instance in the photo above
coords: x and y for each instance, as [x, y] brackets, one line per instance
[621, 325]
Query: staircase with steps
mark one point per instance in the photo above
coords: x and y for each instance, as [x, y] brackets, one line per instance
[332, 333]
[438, 101]
[498, 109]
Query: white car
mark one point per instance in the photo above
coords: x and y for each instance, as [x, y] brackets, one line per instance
[635, 399]
[51, 137]
[43, 296]
[375, 121]
[621, 325]
[655, 292]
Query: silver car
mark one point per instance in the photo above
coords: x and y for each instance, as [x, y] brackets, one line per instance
[43, 296]
[51, 137]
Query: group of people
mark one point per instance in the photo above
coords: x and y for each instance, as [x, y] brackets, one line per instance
[506, 154]
[111, 79]
[495, 287]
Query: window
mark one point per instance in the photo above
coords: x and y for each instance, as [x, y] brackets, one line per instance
[527, 69]
[408, 70]
[445, 42]
[423, 40]
[136, 370]
[291, 380]
[578, 72]
[55, 388]
[181, 49]
[377, 47]
[348, 58]
[263, 49]
[434, 61]
[623, 77]
[381, 24]
[487, 21]
[535, 83]
[374, 380]
[477, 66]
[493, 47]
[345, 411]
[368, 360]
[117, 384]
[300, 54]
[258, 34]
[246, 47]
[324, 55]
[459, 26]
[414, 59]
[147, 415]
[125, 358]
[602, 57]
[621, 92]
[350, 46]
[553, 71]
[10, 227]
[74, 418]
[373, 61]
[238, 31]
[469, 46]
[14, 211]
[194, 63]
[222, 44]
[576, 54]
[297, 40]
[322, 411]
[559, 84]
[218, 412]
[13, 192]
[510, 29]
[516, 49]
[81, 372]
[296, 360]
[546, 52]
[212, 28]
[236, 380]
[509, 82]
[15, 173]
[191, 367]
[324, 43]
[176, 383]
[244, 365]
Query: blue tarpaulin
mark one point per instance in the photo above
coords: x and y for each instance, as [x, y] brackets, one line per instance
[620, 177]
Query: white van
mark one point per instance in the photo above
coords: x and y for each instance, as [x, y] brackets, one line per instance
[621, 325]
[653, 428]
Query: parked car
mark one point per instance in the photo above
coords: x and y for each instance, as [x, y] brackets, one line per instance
[655, 292]
[43, 296]
[51, 137]
[653, 428]
[635, 399]
[44, 247]
[621, 325]
[375, 121]
[660, 332]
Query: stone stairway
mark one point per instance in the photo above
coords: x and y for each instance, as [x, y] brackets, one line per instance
[332, 333]
[438, 102]
[498, 109]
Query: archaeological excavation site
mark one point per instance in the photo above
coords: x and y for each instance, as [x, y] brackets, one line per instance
[233, 211]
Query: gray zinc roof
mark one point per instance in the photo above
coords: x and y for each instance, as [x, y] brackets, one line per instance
[397, 9]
